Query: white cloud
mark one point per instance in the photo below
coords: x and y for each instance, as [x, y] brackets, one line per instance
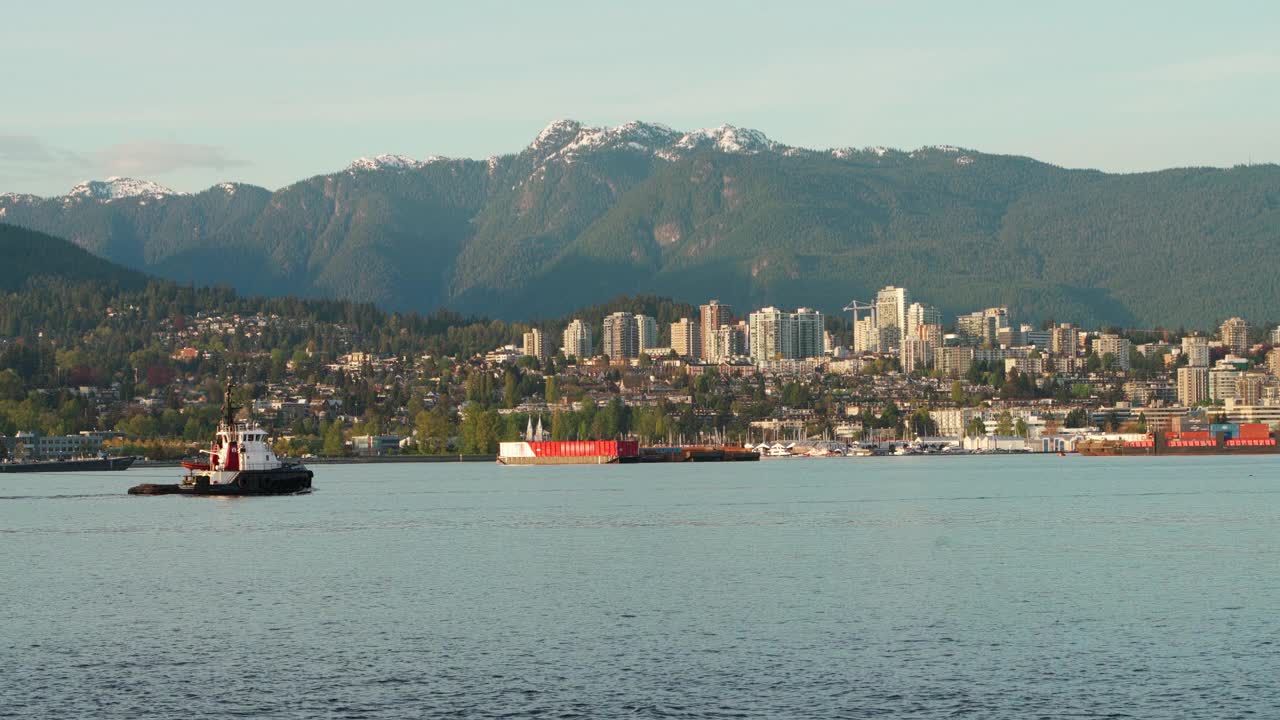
[159, 157]
[28, 161]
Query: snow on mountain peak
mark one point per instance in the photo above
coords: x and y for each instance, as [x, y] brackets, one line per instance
[566, 138]
[384, 162]
[729, 139]
[115, 188]
[557, 133]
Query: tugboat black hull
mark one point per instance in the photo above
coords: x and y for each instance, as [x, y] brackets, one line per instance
[285, 481]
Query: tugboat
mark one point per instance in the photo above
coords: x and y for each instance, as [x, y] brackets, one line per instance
[240, 463]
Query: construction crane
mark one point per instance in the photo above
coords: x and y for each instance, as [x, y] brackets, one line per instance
[856, 306]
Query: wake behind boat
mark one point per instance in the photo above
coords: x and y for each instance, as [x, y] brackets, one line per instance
[240, 463]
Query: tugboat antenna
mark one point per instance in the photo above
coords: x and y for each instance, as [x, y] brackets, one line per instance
[228, 410]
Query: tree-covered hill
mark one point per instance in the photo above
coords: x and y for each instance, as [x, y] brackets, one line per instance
[584, 214]
[31, 257]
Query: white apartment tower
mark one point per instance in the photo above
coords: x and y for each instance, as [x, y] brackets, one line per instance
[772, 334]
[646, 332]
[620, 336]
[534, 346]
[891, 316]
[712, 317]
[577, 340]
[686, 338]
[1235, 336]
[1196, 348]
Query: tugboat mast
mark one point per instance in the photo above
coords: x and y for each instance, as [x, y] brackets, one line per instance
[228, 410]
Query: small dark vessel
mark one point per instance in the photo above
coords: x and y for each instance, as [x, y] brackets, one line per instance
[240, 463]
[78, 465]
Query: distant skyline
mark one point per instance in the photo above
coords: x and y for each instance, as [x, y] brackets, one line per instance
[272, 93]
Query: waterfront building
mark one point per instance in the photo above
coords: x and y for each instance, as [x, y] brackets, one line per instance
[1116, 346]
[712, 317]
[686, 338]
[1193, 385]
[621, 336]
[1239, 412]
[1196, 348]
[952, 421]
[35, 446]
[577, 340]
[1234, 334]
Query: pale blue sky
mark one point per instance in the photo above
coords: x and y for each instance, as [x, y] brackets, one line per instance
[271, 92]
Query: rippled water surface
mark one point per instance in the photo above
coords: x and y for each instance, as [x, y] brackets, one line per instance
[998, 587]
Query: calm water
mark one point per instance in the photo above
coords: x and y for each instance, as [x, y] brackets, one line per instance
[918, 588]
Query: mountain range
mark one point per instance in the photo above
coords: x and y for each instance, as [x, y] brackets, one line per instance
[583, 214]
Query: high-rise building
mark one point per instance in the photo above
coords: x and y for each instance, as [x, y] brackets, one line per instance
[646, 332]
[1193, 385]
[1116, 346]
[1222, 381]
[1249, 388]
[808, 330]
[1064, 340]
[577, 340]
[686, 338]
[731, 341]
[772, 335]
[1275, 335]
[983, 327]
[713, 316]
[930, 333]
[779, 335]
[866, 335]
[534, 345]
[1196, 348]
[621, 337]
[915, 354]
[953, 362]
[891, 316]
[920, 314]
[1012, 336]
[1273, 361]
[1235, 336]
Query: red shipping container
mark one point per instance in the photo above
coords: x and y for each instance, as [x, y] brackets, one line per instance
[1195, 435]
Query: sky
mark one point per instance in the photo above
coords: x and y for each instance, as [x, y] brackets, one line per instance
[273, 92]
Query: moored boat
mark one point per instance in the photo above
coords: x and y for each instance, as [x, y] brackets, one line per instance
[1241, 439]
[73, 465]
